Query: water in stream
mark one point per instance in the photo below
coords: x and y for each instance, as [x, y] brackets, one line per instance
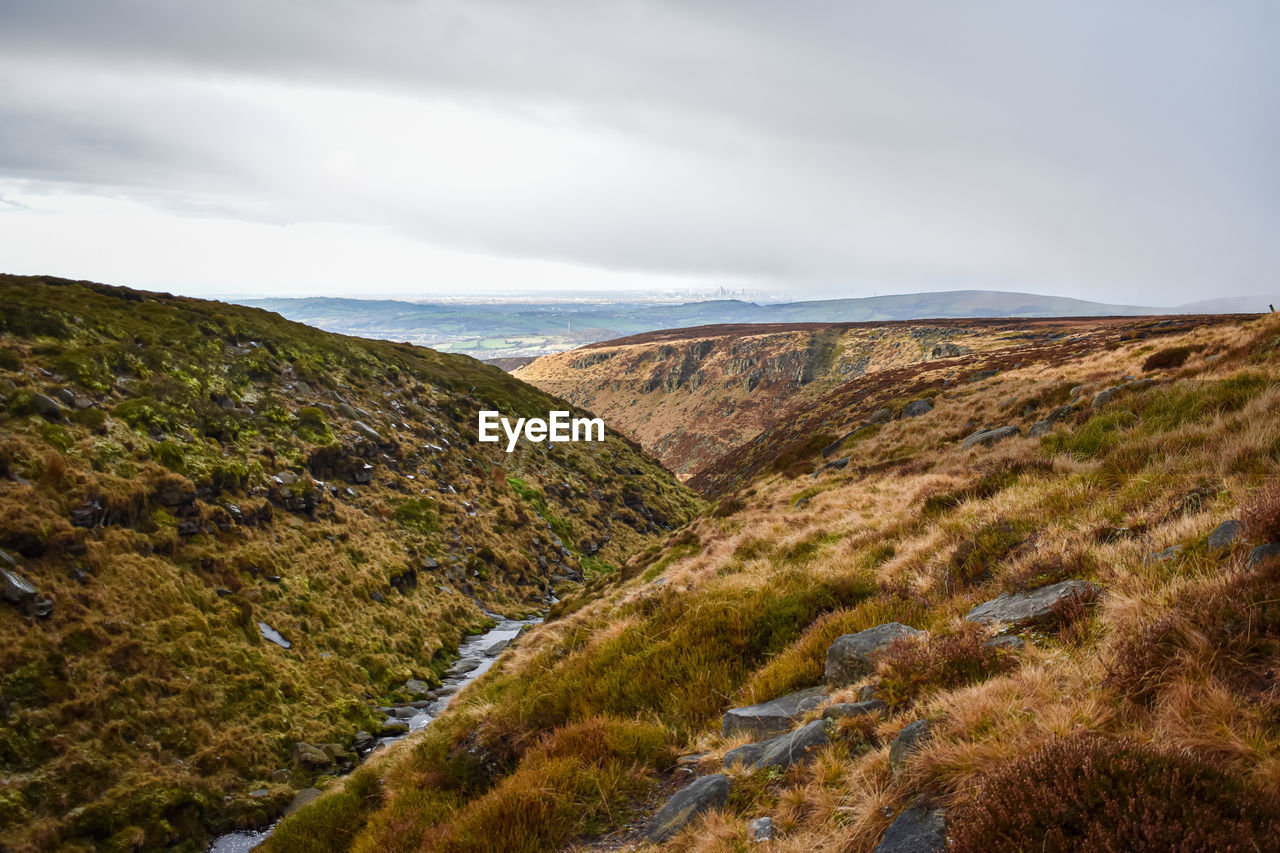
[475, 656]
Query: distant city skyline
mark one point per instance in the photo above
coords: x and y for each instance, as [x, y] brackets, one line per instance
[1111, 152]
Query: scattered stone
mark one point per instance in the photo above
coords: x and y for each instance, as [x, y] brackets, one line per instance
[833, 465]
[910, 737]
[708, 792]
[852, 709]
[414, 687]
[378, 597]
[1166, 555]
[260, 794]
[311, 756]
[880, 416]
[269, 633]
[368, 432]
[1027, 608]
[393, 728]
[1012, 642]
[1224, 535]
[915, 831]
[362, 741]
[988, 437]
[783, 751]
[1106, 394]
[18, 590]
[44, 406]
[773, 717]
[305, 797]
[918, 407]
[691, 758]
[1262, 554]
[760, 829]
[946, 349]
[979, 375]
[282, 775]
[852, 656]
[1042, 426]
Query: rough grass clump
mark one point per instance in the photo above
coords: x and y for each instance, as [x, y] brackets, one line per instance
[1112, 796]
[418, 515]
[979, 554]
[987, 486]
[1262, 516]
[912, 667]
[1167, 359]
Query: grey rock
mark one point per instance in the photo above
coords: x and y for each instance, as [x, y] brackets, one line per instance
[87, 515]
[45, 406]
[378, 597]
[880, 416]
[915, 831]
[907, 741]
[282, 775]
[852, 656]
[760, 829]
[988, 437]
[311, 756]
[1027, 608]
[414, 687]
[917, 407]
[1043, 426]
[1166, 555]
[706, 793]
[1107, 394]
[6, 560]
[269, 633]
[366, 431]
[852, 709]
[1224, 535]
[17, 590]
[260, 794]
[946, 349]
[1012, 642]
[833, 465]
[773, 717]
[1262, 554]
[65, 396]
[305, 797]
[796, 747]
[980, 375]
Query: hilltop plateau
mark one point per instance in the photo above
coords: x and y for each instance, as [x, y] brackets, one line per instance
[1030, 607]
[227, 540]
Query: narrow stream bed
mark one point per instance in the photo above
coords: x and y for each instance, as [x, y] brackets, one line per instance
[475, 656]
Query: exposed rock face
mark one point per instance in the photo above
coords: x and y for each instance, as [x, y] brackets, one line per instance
[773, 717]
[988, 437]
[1028, 608]
[852, 656]
[908, 739]
[708, 792]
[915, 831]
[1224, 536]
[792, 748]
[917, 407]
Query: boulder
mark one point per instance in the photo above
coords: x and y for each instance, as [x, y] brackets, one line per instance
[908, 739]
[414, 687]
[1047, 423]
[760, 829]
[915, 831]
[17, 590]
[851, 709]
[783, 751]
[44, 406]
[918, 407]
[1224, 535]
[708, 792]
[880, 416]
[1012, 642]
[773, 717]
[365, 431]
[834, 465]
[88, 514]
[281, 775]
[1262, 554]
[988, 437]
[852, 656]
[1027, 608]
[310, 756]
[269, 633]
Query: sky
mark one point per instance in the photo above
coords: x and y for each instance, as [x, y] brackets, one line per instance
[1116, 151]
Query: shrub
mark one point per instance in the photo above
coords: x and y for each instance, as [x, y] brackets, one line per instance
[911, 667]
[1262, 515]
[1167, 359]
[1101, 794]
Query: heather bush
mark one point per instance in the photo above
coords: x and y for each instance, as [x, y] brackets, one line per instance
[1112, 796]
[1167, 359]
[1262, 516]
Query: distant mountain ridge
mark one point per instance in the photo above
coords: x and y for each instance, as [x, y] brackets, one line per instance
[531, 329]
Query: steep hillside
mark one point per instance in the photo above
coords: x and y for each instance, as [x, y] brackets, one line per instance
[225, 534]
[690, 395]
[1072, 640]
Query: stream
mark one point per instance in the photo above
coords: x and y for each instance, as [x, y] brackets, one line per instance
[476, 655]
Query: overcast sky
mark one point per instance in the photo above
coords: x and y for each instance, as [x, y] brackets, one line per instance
[1120, 151]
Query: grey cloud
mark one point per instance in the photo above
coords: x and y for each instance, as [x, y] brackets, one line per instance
[1085, 146]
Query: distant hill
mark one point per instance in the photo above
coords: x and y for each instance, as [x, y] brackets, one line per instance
[531, 329]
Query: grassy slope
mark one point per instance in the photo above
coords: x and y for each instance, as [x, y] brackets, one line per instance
[574, 736]
[146, 707]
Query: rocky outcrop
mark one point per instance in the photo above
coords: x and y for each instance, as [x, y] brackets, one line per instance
[706, 793]
[1224, 536]
[1029, 608]
[797, 747]
[915, 831]
[773, 717]
[852, 656]
[988, 437]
